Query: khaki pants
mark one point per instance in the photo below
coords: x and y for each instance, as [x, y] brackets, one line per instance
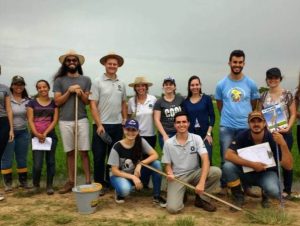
[176, 190]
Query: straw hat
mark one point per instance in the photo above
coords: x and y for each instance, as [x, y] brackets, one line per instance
[71, 53]
[140, 80]
[112, 55]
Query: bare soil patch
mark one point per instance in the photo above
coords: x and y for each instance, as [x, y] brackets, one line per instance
[40, 209]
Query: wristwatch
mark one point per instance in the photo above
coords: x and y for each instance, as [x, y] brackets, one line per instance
[208, 134]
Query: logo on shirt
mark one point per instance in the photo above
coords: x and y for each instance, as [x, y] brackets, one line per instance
[236, 94]
[150, 105]
[193, 150]
[126, 165]
[120, 88]
[172, 111]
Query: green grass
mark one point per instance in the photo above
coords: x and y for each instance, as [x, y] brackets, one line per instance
[270, 217]
[61, 172]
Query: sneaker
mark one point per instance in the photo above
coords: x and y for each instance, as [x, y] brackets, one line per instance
[103, 191]
[8, 188]
[200, 203]
[1, 197]
[119, 199]
[67, 188]
[160, 200]
[25, 185]
[286, 195]
[50, 191]
[34, 190]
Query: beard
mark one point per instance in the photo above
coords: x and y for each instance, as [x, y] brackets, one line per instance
[257, 130]
[236, 72]
[72, 70]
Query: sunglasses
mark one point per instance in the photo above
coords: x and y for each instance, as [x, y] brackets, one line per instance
[70, 60]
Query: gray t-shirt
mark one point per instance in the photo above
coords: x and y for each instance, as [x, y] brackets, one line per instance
[168, 111]
[4, 92]
[123, 157]
[109, 95]
[67, 110]
[184, 158]
[19, 113]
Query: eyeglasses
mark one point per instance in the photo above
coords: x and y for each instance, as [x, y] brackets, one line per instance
[70, 60]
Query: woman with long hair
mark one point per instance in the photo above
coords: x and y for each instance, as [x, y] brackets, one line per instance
[200, 110]
[165, 109]
[126, 171]
[6, 121]
[19, 146]
[43, 116]
[140, 107]
[277, 95]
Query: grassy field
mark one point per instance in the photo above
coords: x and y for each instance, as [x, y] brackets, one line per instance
[61, 159]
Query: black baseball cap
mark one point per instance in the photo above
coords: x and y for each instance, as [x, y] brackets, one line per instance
[273, 72]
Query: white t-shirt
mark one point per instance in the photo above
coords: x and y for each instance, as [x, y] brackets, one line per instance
[143, 114]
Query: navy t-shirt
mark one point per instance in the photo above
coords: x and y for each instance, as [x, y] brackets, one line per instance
[244, 139]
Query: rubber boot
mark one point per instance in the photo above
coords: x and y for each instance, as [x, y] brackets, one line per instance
[7, 178]
[238, 196]
[23, 180]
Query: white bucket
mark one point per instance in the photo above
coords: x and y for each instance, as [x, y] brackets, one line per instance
[87, 197]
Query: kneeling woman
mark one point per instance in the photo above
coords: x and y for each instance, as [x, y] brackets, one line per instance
[126, 171]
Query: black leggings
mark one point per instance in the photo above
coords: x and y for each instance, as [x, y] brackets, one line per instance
[4, 135]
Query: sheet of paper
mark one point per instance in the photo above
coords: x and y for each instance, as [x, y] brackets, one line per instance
[46, 146]
[257, 153]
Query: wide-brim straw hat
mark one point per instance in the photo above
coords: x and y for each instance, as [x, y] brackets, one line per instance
[71, 53]
[140, 80]
[112, 55]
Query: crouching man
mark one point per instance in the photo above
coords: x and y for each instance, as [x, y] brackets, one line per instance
[266, 178]
[181, 155]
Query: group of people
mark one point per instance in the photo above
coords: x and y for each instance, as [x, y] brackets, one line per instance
[124, 134]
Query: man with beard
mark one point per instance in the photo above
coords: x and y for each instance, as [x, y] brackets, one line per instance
[109, 111]
[236, 96]
[69, 81]
[261, 176]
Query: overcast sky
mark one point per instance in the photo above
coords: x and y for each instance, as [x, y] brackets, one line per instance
[157, 38]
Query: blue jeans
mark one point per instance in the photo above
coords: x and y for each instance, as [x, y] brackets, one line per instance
[101, 151]
[19, 148]
[267, 180]
[38, 158]
[226, 136]
[124, 186]
[288, 174]
[161, 140]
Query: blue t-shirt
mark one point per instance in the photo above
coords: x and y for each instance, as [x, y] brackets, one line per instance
[201, 115]
[236, 96]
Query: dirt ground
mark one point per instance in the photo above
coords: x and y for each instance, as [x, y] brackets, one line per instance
[20, 208]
